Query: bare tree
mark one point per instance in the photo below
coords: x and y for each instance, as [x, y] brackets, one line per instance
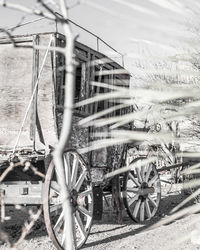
[47, 12]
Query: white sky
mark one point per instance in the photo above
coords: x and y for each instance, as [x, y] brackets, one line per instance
[118, 22]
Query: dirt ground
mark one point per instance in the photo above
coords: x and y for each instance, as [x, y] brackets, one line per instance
[107, 234]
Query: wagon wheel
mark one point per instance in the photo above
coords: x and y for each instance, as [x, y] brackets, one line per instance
[142, 192]
[168, 157]
[79, 183]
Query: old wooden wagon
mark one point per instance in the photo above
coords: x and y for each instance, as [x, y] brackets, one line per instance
[32, 94]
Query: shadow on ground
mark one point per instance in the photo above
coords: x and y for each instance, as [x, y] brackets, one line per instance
[166, 205]
[110, 233]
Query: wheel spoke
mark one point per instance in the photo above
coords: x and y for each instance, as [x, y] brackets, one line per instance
[133, 179]
[154, 179]
[133, 199]
[80, 180]
[148, 210]
[128, 195]
[136, 209]
[55, 187]
[55, 207]
[149, 167]
[86, 192]
[59, 223]
[80, 224]
[138, 175]
[152, 201]
[84, 211]
[142, 211]
[142, 173]
[74, 170]
[67, 170]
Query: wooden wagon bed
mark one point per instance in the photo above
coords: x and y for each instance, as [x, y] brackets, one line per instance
[38, 117]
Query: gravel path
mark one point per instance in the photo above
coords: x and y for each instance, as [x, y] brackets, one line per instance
[106, 234]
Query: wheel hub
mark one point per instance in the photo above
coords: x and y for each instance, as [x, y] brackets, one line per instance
[74, 196]
[144, 190]
[144, 185]
[78, 200]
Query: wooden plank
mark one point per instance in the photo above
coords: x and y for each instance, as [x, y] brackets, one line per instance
[92, 88]
[15, 89]
[87, 82]
[46, 100]
[35, 71]
[83, 85]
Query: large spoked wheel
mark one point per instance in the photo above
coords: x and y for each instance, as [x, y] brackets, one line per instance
[142, 191]
[166, 155]
[79, 183]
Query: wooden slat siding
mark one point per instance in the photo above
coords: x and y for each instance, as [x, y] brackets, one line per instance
[46, 94]
[54, 57]
[80, 57]
[80, 53]
[98, 55]
[98, 157]
[54, 96]
[46, 99]
[97, 91]
[110, 81]
[79, 136]
[92, 88]
[87, 82]
[91, 106]
[35, 71]
[58, 86]
[63, 59]
[83, 84]
[15, 89]
[60, 73]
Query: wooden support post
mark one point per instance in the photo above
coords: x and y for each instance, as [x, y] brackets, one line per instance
[98, 89]
[87, 83]
[92, 88]
[34, 80]
[116, 198]
[116, 159]
[83, 84]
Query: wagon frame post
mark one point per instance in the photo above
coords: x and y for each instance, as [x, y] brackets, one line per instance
[35, 73]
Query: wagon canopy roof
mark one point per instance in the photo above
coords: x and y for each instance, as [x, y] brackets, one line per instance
[29, 37]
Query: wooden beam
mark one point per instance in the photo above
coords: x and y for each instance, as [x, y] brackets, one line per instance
[35, 72]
